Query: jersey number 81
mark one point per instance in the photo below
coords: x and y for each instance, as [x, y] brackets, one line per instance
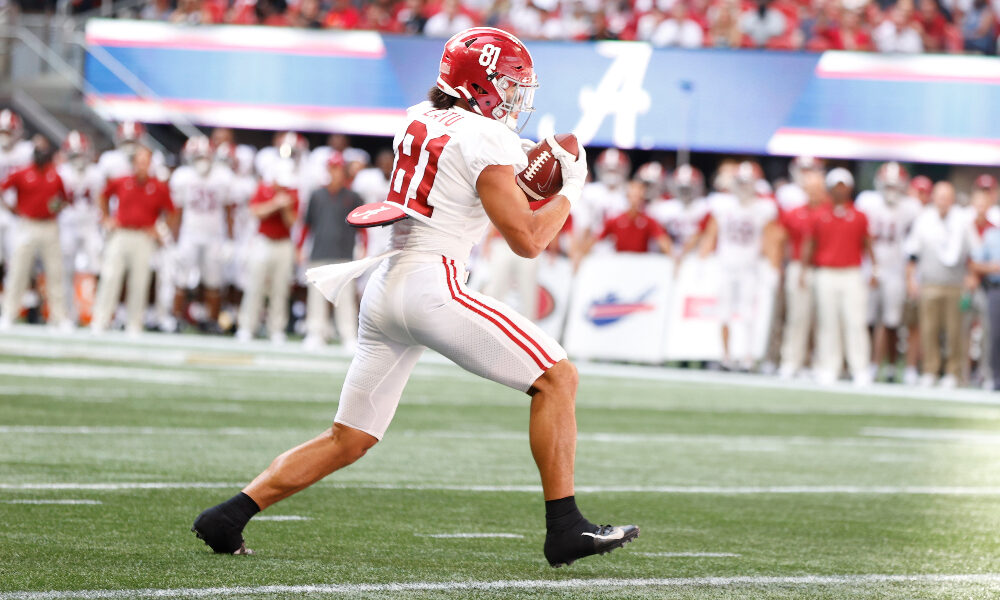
[408, 157]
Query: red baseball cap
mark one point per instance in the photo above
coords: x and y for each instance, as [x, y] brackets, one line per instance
[985, 182]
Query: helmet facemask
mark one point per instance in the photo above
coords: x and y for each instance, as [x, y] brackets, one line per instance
[518, 104]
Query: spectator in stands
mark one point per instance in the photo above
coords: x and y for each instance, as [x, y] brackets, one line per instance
[193, 12]
[342, 15]
[839, 239]
[410, 17]
[762, 23]
[938, 246]
[157, 10]
[40, 194]
[846, 34]
[272, 255]
[272, 12]
[933, 25]
[634, 230]
[307, 15]
[897, 33]
[600, 28]
[799, 300]
[678, 29]
[333, 241]
[448, 21]
[724, 29]
[132, 239]
[979, 28]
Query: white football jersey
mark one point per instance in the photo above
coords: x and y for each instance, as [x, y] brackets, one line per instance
[681, 219]
[243, 187]
[741, 226]
[18, 157]
[83, 188]
[888, 224]
[439, 156]
[204, 201]
[373, 186]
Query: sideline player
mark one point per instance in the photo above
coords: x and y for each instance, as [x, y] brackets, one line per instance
[418, 297]
[80, 224]
[200, 191]
[15, 153]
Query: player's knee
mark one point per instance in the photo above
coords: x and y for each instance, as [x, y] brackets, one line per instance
[562, 378]
[352, 443]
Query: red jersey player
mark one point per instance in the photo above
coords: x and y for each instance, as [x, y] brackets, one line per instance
[456, 159]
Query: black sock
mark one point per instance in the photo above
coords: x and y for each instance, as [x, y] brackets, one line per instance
[562, 514]
[239, 509]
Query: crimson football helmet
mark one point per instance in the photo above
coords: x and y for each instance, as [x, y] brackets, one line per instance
[801, 164]
[493, 71]
[11, 128]
[687, 183]
[985, 182]
[655, 177]
[129, 132]
[891, 181]
[77, 144]
[612, 167]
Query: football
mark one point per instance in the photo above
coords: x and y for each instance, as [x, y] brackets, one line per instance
[542, 178]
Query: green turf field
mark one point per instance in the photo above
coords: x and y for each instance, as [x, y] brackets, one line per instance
[110, 448]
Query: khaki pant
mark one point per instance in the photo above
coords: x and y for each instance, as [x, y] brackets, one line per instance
[127, 250]
[271, 264]
[345, 313]
[31, 238]
[841, 302]
[941, 312]
[798, 318]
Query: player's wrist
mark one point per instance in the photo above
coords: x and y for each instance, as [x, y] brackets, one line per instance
[572, 190]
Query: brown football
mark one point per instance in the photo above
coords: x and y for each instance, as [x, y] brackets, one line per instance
[542, 178]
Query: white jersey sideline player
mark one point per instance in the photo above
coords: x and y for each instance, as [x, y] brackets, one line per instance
[891, 213]
[454, 173]
[200, 189]
[15, 153]
[80, 222]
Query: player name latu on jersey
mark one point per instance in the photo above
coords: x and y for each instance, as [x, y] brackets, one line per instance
[439, 156]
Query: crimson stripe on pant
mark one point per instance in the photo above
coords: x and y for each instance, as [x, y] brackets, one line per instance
[537, 346]
[453, 277]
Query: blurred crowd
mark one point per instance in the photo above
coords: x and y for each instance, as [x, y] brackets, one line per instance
[910, 26]
[900, 282]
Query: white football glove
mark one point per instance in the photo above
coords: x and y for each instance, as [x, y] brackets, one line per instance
[574, 170]
[527, 145]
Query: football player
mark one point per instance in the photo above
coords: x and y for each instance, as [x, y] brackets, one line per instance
[684, 213]
[15, 153]
[735, 229]
[418, 297]
[604, 198]
[117, 162]
[200, 189]
[80, 222]
[792, 194]
[239, 160]
[890, 212]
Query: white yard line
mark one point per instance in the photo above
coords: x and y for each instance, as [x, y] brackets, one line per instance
[534, 489]
[336, 589]
[969, 436]
[689, 554]
[448, 536]
[58, 502]
[89, 371]
[281, 518]
[105, 430]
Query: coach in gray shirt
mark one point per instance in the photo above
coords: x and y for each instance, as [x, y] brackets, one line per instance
[333, 240]
[939, 245]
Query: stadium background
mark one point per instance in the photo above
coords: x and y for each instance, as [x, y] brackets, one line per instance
[744, 485]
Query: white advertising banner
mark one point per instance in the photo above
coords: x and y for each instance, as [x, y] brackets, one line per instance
[694, 332]
[619, 308]
[555, 282]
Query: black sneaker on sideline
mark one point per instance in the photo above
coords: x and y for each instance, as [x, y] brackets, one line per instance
[564, 547]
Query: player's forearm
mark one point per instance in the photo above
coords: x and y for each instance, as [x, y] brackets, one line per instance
[546, 223]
